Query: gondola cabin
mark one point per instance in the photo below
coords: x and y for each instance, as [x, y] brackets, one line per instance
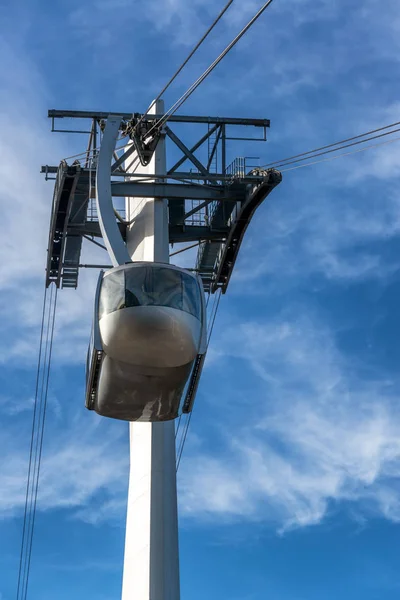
[148, 342]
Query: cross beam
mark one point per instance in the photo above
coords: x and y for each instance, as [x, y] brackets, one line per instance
[173, 190]
[85, 114]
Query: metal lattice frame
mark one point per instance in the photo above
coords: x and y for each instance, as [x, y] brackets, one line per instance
[205, 206]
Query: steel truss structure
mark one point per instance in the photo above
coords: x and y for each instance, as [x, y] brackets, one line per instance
[210, 203]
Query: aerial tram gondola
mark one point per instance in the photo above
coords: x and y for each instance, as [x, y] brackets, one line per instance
[148, 342]
[149, 339]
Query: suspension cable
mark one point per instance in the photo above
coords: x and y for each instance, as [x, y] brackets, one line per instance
[37, 436]
[202, 77]
[183, 440]
[312, 152]
[316, 162]
[181, 446]
[339, 148]
[31, 444]
[197, 46]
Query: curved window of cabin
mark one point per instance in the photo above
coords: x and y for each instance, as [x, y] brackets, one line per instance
[112, 293]
[160, 286]
[191, 296]
[150, 286]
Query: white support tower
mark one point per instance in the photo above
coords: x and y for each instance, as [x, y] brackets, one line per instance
[217, 219]
[151, 563]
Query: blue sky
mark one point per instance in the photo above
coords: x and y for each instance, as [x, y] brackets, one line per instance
[289, 483]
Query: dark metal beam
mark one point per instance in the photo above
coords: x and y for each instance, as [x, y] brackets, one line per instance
[95, 266]
[193, 233]
[185, 150]
[47, 169]
[123, 157]
[194, 148]
[178, 175]
[214, 148]
[185, 248]
[181, 175]
[85, 114]
[94, 242]
[223, 149]
[173, 190]
[196, 209]
[89, 146]
[92, 228]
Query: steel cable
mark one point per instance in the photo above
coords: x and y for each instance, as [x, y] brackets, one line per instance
[202, 77]
[309, 164]
[31, 444]
[311, 153]
[197, 46]
[181, 446]
[195, 85]
[37, 436]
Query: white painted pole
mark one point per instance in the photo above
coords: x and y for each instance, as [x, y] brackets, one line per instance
[151, 563]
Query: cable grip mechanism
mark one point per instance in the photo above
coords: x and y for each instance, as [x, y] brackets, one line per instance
[145, 143]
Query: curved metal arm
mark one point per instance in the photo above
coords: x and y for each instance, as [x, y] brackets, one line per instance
[109, 229]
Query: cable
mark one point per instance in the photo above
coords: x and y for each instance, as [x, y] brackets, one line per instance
[356, 137]
[197, 46]
[213, 316]
[177, 428]
[339, 148]
[183, 440]
[200, 80]
[45, 391]
[37, 436]
[195, 85]
[202, 77]
[341, 155]
[32, 443]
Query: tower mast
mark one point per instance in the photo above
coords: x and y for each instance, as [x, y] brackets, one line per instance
[209, 203]
[151, 563]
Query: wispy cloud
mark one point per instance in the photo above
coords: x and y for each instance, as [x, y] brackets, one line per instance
[339, 229]
[14, 406]
[313, 430]
[315, 433]
[80, 470]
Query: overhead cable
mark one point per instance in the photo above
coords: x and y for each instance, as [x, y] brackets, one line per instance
[197, 46]
[183, 439]
[182, 442]
[309, 164]
[307, 158]
[37, 436]
[277, 163]
[20, 575]
[202, 77]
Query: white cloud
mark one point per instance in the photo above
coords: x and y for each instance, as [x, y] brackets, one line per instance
[25, 199]
[314, 433]
[336, 229]
[14, 406]
[87, 457]
[320, 434]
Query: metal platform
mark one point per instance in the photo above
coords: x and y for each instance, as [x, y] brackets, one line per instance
[216, 260]
[211, 204]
